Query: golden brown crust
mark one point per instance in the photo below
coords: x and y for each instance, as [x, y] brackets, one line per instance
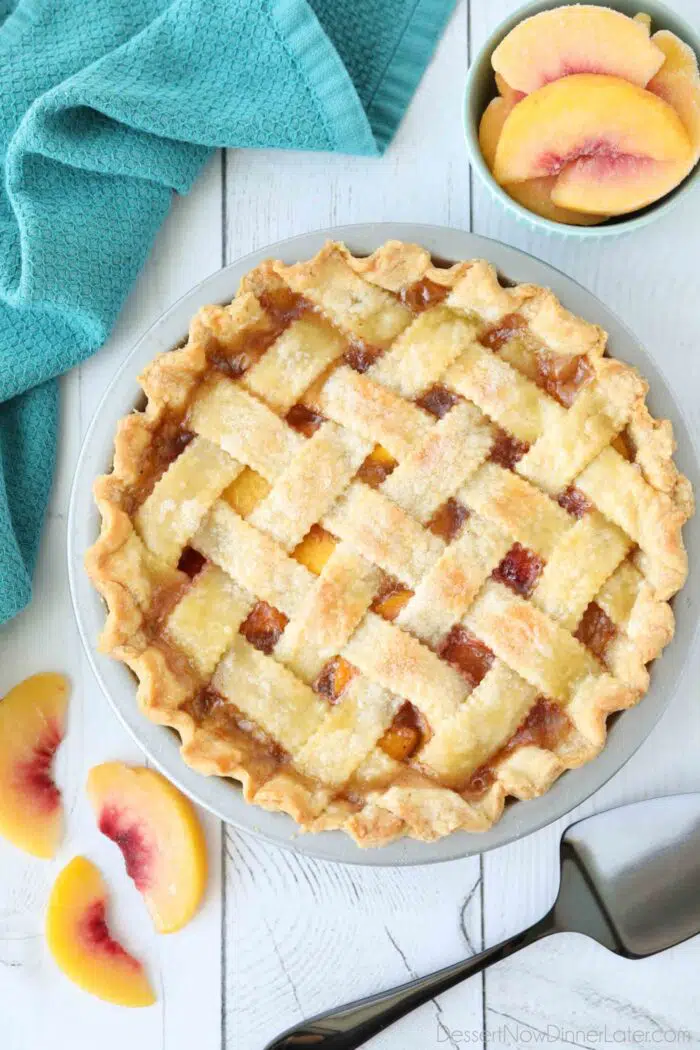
[636, 487]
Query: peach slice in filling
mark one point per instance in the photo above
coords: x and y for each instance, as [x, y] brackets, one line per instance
[79, 939]
[581, 38]
[158, 831]
[405, 734]
[613, 147]
[315, 549]
[32, 725]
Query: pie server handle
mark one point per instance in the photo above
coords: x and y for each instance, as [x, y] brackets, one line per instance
[348, 1027]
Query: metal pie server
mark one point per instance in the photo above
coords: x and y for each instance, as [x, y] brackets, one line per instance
[630, 879]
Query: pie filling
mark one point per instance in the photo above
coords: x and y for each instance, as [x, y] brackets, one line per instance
[441, 582]
[545, 725]
[507, 450]
[438, 400]
[471, 657]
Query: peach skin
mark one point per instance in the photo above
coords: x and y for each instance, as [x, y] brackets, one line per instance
[582, 38]
[678, 83]
[159, 834]
[81, 944]
[32, 725]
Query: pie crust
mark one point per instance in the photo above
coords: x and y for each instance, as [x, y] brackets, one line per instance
[389, 542]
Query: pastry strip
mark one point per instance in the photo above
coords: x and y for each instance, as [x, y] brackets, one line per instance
[428, 476]
[170, 516]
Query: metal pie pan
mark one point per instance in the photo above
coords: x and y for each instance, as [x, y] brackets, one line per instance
[222, 796]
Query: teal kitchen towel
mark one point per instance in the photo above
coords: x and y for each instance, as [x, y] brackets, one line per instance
[108, 107]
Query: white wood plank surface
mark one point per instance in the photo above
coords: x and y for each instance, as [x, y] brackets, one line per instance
[284, 936]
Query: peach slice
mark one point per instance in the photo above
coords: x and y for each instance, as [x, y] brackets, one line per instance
[506, 91]
[614, 146]
[32, 725]
[603, 186]
[581, 38]
[491, 126]
[315, 549]
[536, 196]
[246, 491]
[79, 939]
[158, 832]
[678, 83]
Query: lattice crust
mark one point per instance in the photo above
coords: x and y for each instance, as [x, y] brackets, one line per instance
[389, 542]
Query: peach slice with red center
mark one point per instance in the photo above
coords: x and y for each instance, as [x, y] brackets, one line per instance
[581, 38]
[161, 838]
[32, 725]
[534, 194]
[678, 83]
[613, 146]
[80, 942]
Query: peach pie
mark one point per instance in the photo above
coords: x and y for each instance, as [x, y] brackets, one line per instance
[389, 542]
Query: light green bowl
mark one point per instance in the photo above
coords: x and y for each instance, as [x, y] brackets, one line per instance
[481, 88]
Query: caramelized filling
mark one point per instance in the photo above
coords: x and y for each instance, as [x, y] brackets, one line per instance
[165, 595]
[544, 726]
[391, 598]
[263, 626]
[519, 570]
[283, 305]
[561, 376]
[479, 782]
[506, 450]
[596, 630]
[249, 349]
[448, 520]
[438, 400]
[498, 334]
[421, 295]
[167, 446]
[574, 501]
[377, 467]
[304, 420]
[467, 654]
[334, 679]
[220, 714]
[405, 734]
[361, 356]
[168, 442]
[204, 705]
[191, 562]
